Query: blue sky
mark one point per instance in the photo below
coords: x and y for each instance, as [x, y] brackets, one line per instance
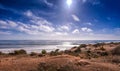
[60, 19]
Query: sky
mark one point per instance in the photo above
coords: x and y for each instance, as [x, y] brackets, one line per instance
[59, 19]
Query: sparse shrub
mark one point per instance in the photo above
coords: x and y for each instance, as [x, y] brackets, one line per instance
[42, 67]
[67, 67]
[90, 55]
[111, 42]
[98, 44]
[104, 54]
[74, 54]
[1, 53]
[116, 60]
[33, 54]
[52, 67]
[56, 52]
[116, 51]
[78, 50]
[41, 55]
[82, 45]
[43, 52]
[11, 53]
[46, 67]
[101, 48]
[94, 55]
[17, 52]
[67, 51]
[52, 53]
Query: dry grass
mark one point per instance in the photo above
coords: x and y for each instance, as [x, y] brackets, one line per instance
[65, 61]
[54, 63]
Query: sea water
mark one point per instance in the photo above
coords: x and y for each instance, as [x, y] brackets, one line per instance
[7, 46]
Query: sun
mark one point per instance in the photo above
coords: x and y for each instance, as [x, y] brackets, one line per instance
[69, 2]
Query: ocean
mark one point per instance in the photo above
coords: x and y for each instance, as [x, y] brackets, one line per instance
[7, 46]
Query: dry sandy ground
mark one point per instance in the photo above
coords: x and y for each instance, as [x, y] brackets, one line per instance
[62, 62]
[31, 63]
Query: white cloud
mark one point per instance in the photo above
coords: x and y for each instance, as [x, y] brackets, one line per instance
[93, 2]
[85, 29]
[23, 25]
[5, 32]
[64, 28]
[7, 24]
[3, 22]
[40, 23]
[34, 29]
[75, 18]
[76, 31]
[28, 31]
[46, 28]
[61, 33]
[88, 23]
[48, 3]
[12, 23]
[28, 13]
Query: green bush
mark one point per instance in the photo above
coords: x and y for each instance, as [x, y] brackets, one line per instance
[54, 53]
[43, 52]
[57, 50]
[18, 52]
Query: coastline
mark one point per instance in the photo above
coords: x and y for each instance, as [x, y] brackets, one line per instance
[38, 45]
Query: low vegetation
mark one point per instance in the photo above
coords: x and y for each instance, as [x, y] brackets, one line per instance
[1, 53]
[97, 57]
[56, 52]
[33, 54]
[116, 51]
[18, 52]
[82, 46]
[43, 51]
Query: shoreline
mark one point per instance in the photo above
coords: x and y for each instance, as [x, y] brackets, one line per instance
[38, 48]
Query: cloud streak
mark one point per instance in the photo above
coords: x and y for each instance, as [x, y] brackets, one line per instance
[85, 29]
[75, 18]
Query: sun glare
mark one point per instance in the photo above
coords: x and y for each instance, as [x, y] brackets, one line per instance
[69, 2]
